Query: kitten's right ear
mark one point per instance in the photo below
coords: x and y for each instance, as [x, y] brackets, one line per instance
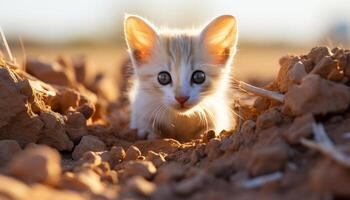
[141, 37]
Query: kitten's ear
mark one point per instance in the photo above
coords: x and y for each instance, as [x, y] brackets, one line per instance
[220, 37]
[141, 37]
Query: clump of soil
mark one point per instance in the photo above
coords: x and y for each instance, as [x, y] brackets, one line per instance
[61, 139]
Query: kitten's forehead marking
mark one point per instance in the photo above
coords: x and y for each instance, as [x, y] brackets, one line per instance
[180, 50]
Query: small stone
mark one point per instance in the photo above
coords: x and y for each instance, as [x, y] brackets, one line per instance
[145, 169]
[37, 164]
[325, 66]
[132, 153]
[90, 158]
[84, 180]
[117, 155]
[156, 158]
[209, 135]
[87, 143]
[75, 125]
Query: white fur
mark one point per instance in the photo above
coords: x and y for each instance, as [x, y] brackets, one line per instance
[154, 108]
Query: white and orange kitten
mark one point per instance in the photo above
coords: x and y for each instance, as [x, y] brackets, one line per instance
[182, 77]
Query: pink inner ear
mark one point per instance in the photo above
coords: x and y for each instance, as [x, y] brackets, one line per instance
[141, 57]
[219, 55]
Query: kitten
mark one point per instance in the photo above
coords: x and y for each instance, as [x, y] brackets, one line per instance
[182, 77]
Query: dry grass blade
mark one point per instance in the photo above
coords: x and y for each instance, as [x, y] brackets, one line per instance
[261, 180]
[7, 46]
[261, 92]
[324, 145]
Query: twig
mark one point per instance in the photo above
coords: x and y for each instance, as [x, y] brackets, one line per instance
[7, 46]
[324, 145]
[261, 92]
[261, 180]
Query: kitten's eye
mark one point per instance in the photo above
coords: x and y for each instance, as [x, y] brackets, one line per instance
[198, 77]
[164, 78]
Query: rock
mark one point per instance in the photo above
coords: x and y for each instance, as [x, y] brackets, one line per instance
[291, 73]
[213, 149]
[50, 72]
[325, 67]
[87, 143]
[170, 172]
[37, 164]
[76, 125]
[17, 121]
[268, 119]
[313, 96]
[317, 53]
[268, 159]
[132, 153]
[84, 180]
[296, 73]
[141, 186]
[208, 136]
[53, 133]
[116, 155]
[90, 158]
[8, 149]
[282, 79]
[142, 168]
[301, 128]
[156, 158]
[11, 188]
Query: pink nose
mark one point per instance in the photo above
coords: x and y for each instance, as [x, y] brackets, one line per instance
[182, 99]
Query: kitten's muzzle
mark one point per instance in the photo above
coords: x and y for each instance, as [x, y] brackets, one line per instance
[182, 99]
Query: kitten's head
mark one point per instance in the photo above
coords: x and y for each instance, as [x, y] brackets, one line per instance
[180, 67]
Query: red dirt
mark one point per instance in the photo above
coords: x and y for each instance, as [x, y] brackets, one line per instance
[64, 139]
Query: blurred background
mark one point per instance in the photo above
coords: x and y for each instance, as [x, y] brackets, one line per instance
[268, 29]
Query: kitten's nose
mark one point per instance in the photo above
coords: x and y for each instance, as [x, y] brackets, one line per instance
[182, 99]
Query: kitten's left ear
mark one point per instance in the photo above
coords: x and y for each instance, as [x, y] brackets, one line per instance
[141, 37]
[220, 37]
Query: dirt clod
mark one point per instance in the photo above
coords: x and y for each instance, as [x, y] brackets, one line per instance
[37, 164]
[87, 143]
[142, 168]
[132, 153]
